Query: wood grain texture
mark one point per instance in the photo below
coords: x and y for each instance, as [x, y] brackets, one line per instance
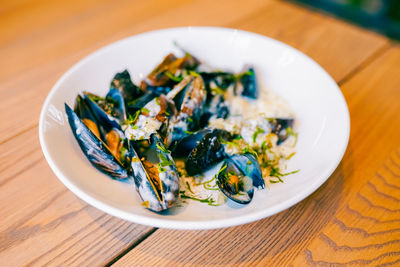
[50, 55]
[43, 223]
[354, 219]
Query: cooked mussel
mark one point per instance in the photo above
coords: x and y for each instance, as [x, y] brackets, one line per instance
[190, 109]
[122, 81]
[238, 176]
[207, 152]
[280, 127]
[250, 166]
[169, 71]
[96, 151]
[154, 173]
[247, 84]
[153, 116]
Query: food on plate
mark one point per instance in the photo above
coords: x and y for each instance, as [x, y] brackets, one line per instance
[182, 121]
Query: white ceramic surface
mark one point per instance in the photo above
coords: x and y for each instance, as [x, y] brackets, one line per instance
[323, 121]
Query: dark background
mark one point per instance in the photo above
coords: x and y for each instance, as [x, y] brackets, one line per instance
[379, 15]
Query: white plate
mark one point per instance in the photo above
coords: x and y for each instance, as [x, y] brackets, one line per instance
[323, 121]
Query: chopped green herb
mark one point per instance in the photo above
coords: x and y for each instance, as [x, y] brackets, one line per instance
[193, 73]
[190, 120]
[132, 119]
[238, 137]
[208, 200]
[264, 146]
[135, 127]
[217, 90]
[276, 172]
[165, 161]
[173, 77]
[162, 148]
[145, 110]
[160, 168]
[157, 99]
[222, 169]
[291, 155]
[249, 150]
[256, 133]
[189, 132]
[210, 188]
[188, 186]
[240, 75]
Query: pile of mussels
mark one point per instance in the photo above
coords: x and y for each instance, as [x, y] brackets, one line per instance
[135, 132]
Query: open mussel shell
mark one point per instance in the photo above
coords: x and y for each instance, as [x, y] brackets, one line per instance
[208, 151]
[154, 173]
[94, 148]
[249, 166]
[247, 84]
[235, 184]
[187, 144]
[122, 81]
[140, 102]
[279, 126]
[116, 97]
[108, 121]
[189, 109]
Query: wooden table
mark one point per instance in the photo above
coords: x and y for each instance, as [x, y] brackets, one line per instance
[354, 218]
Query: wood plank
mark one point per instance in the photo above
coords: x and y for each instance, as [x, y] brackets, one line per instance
[38, 61]
[45, 221]
[353, 219]
[366, 228]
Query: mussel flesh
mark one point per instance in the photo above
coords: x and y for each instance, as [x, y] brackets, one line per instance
[238, 176]
[97, 152]
[190, 110]
[247, 83]
[207, 152]
[154, 173]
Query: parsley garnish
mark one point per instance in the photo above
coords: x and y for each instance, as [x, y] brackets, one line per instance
[208, 200]
[145, 110]
[173, 77]
[188, 186]
[257, 132]
[162, 148]
[132, 119]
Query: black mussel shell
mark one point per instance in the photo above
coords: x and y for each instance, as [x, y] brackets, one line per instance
[279, 127]
[208, 152]
[117, 99]
[154, 173]
[216, 108]
[218, 79]
[140, 102]
[234, 183]
[190, 110]
[248, 80]
[122, 81]
[104, 119]
[94, 149]
[249, 166]
[187, 144]
[146, 188]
